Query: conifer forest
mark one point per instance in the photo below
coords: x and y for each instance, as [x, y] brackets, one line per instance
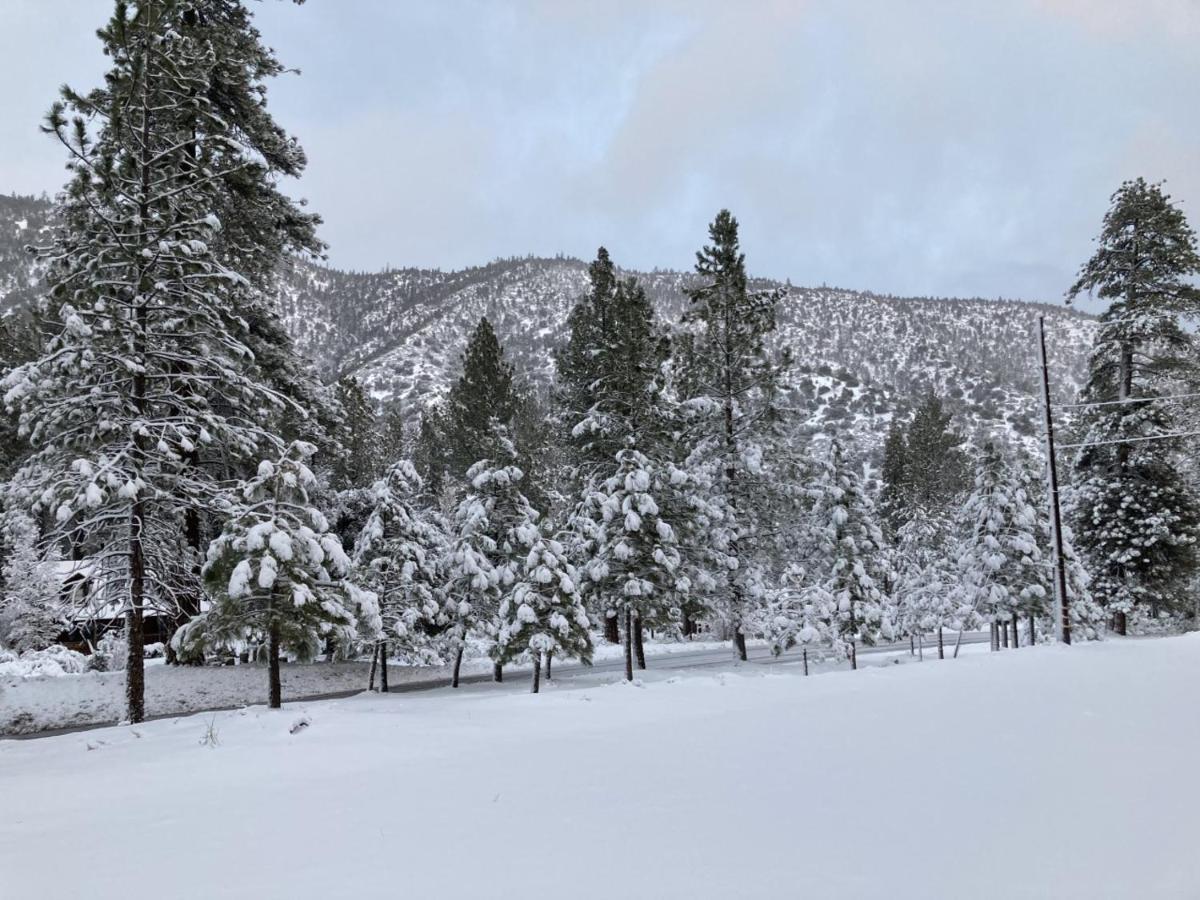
[598, 576]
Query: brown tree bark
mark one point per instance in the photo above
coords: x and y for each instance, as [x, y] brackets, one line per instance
[628, 646]
[374, 666]
[638, 648]
[274, 682]
[383, 661]
[941, 645]
[549, 662]
[612, 630]
[1016, 640]
[135, 634]
[537, 673]
[853, 654]
[497, 672]
[739, 642]
[457, 666]
[1120, 623]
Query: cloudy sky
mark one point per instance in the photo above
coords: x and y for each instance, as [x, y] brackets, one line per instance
[927, 147]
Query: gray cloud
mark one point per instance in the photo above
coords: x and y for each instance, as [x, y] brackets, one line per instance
[929, 147]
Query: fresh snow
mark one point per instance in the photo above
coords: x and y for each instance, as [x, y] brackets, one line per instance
[1046, 772]
[39, 696]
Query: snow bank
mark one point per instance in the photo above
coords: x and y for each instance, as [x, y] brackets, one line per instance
[1045, 772]
[33, 698]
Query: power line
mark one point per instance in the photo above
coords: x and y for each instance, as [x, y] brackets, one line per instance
[1135, 440]
[1126, 400]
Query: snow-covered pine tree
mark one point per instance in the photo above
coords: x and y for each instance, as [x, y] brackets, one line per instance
[492, 530]
[935, 470]
[543, 614]
[358, 464]
[1003, 571]
[148, 361]
[398, 556]
[1136, 519]
[635, 548]
[30, 617]
[611, 390]
[484, 395]
[893, 499]
[277, 572]
[849, 605]
[729, 376]
[925, 582]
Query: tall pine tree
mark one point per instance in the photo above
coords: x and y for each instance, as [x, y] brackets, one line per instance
[1136, 518]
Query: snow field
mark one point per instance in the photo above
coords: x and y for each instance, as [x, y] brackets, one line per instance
[1052, 772]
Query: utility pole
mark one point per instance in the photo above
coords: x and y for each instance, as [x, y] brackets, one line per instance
[1058, 562]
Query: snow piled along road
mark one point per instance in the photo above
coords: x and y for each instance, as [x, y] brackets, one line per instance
[1048, 772]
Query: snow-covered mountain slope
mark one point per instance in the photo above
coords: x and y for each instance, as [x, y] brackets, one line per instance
[858, 356]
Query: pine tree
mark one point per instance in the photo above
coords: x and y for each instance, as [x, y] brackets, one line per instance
[398, 557]
[543, 615]
[277, 572]
[635, 549]
[494, 526]
[729, 376]
[926, 578]
[1137, 520]
[149, 360]
[893, 502]
[358, 463]
[1003, 568]
[484, 396]
[846, 587]
[935, 471]
[29, 615]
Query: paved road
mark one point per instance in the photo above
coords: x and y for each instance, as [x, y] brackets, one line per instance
[684, 659]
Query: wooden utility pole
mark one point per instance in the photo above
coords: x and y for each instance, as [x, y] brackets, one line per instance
[1058, 561]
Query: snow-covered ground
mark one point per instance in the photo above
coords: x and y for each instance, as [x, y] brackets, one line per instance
[1048, 772]
[39, 703]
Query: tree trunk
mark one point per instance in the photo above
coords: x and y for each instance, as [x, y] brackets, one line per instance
[275, 684]
[638, 648]
[921, 646]
[498, 672]
[1015, 639]
[374, 666]
[537, 673]
[853, 654]
[612, 630]
[805, 660]
[549, 662]
[1032, 630]
[912, 650]
[628, 646]
[995, 637]
[957, 643]
[383, 661]
[1120, 623]
[135, 634]
[739, 642]
[457, 666]
[685, 624]
[941, 644]
[1004, 634]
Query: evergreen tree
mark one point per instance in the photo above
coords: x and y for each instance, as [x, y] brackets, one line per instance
[359, 461]
[935, 470]
[1137, 519]
[29, 615]
[635, 549]
[846, 587]
[1003, 568]
[494, 527]
[926, 581]
[149, 360]
[729, 377]
[893, 502]
[398, 556]
[543, 615]
[484, 396]
[277, 572]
